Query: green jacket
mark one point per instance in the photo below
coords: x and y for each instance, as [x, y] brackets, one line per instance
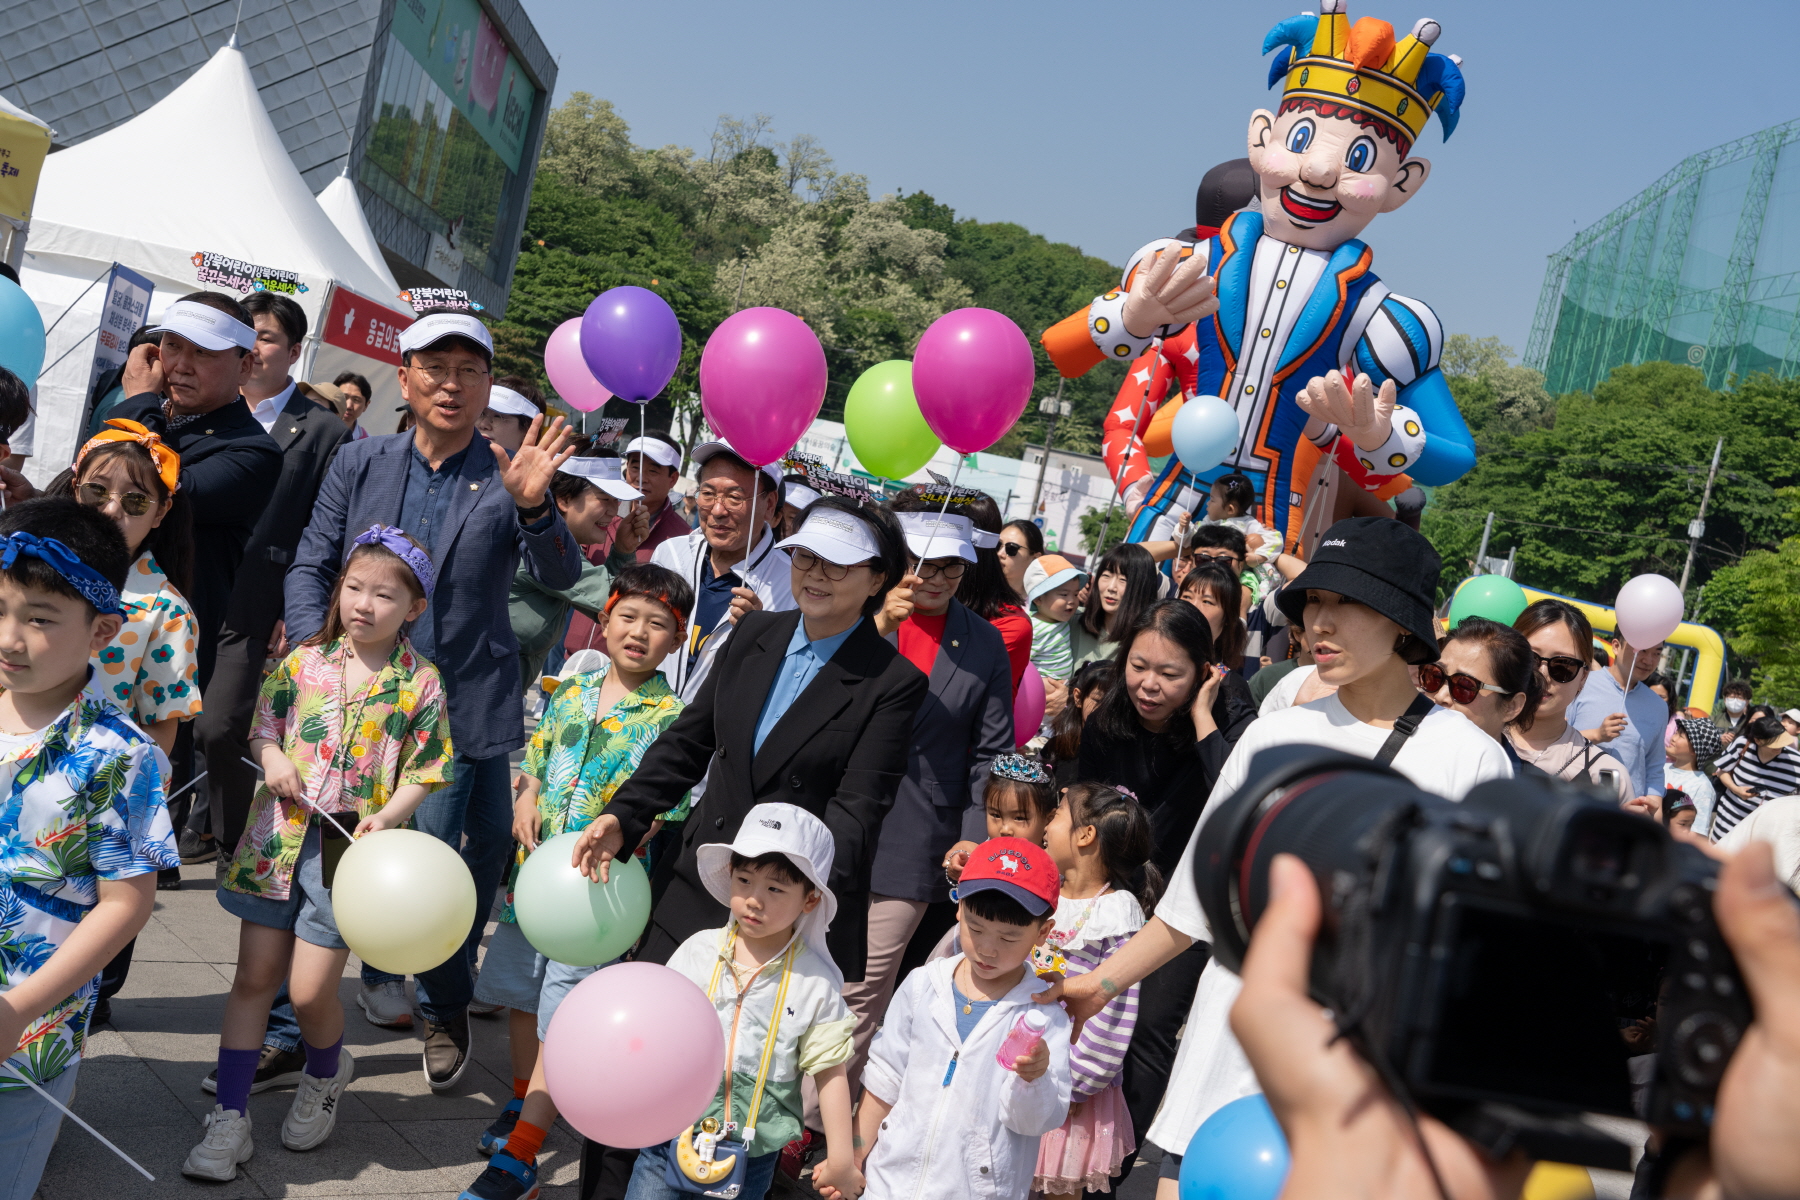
[539, 614]
[1084, 647]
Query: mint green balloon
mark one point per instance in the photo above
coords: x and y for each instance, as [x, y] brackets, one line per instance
[572, 920]
[1492, 596]
[883, 422]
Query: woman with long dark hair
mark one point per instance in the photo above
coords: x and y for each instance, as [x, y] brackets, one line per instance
[1021, 544]
[1485, 672]
[1562, 652]
[1124, 586]
[985, 589]
[1219, 595]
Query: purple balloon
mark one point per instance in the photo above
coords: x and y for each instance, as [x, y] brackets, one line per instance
[762, 379]
[973, 375]
[631, 341]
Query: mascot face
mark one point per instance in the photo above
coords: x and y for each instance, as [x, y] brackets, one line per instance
[1324, 178]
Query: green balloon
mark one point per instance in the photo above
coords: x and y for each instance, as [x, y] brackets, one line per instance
[883, 422]
[1492, 596]
[572, 920]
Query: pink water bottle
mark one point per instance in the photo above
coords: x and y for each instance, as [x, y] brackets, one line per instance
[1024, 1036]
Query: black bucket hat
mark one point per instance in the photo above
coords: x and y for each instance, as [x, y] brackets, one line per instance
[1376, 561]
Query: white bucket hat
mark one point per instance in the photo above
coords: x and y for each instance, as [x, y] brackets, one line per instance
[778, 829]
[579, 663]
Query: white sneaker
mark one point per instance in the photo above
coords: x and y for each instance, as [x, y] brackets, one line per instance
[313, 1114]
[386, 1005]
[227, 1143]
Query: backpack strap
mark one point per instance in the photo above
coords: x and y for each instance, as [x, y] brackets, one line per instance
[1404, 728]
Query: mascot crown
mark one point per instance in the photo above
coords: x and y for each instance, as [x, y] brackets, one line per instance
[1363, 72]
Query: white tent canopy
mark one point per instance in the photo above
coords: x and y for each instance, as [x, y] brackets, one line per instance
[202, 170]
[346, 212]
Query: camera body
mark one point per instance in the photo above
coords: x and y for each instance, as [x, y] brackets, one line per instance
[1534, 949]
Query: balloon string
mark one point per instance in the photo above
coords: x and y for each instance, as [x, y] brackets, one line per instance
[303, 804]
[64, 1109]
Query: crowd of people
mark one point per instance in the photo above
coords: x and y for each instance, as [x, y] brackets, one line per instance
[949, 956]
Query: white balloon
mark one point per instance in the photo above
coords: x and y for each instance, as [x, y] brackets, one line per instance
[1649, 609]
[404, 901]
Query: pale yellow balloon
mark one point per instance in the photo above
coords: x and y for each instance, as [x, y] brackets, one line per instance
[403, 900]
[1558, 1181]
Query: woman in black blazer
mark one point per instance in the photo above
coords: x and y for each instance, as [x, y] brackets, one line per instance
[838, 750]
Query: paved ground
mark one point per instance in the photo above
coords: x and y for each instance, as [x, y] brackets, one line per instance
[140, 1086]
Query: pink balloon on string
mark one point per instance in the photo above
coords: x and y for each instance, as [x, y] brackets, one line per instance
[568, 370]
[1028, 706]
[972, 374]
[762, 380]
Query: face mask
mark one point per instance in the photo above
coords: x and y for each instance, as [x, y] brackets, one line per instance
[1734, 706]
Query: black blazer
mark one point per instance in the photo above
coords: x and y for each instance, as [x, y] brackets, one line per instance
[839, 753]
[308, 434]
[229, 468]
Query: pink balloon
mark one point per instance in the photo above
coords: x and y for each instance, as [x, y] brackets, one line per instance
[634, 1055]
[1028, 706]
[972, 373]
[762, 379]
[568, 371]
[1649, 608]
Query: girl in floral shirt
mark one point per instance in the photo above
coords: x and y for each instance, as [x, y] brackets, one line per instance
[353, 722]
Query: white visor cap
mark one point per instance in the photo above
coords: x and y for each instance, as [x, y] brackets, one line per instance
[835, 536]
[706, 451]
[503, 401]
[798, 495]
[428, 331]
[658, 452]
[607, 474]
[205, 326]
[929, 535]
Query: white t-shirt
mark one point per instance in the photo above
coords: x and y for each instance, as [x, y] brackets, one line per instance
[1447, 755]
[1286, 690]
[1699, 789]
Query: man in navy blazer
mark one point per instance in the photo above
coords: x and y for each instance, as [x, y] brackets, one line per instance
[478, 510]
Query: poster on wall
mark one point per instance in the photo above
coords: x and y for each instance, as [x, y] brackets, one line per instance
[462, 50]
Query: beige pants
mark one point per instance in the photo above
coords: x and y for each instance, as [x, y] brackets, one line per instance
[891, 925]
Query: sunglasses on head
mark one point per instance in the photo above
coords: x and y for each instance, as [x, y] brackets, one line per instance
[95, 495]
[1561, 668]
[1463, 687]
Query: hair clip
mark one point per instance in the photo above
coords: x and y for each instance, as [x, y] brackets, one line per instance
[1020, 768]
[1127, 792]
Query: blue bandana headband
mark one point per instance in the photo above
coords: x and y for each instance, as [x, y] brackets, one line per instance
[390, 538]
[83, 578]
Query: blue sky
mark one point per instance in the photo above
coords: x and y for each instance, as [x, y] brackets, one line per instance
[1092, 123]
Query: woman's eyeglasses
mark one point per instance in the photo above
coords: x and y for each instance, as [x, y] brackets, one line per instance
[1011, 549]
[1463, 687]
[95, 495]
[1561, 668]
[949, 570]
[805, 560]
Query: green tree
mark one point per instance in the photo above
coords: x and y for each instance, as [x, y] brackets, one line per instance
[1759, 598]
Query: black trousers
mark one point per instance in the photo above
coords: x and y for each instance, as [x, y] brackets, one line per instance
[1164, 999]
[222, 736]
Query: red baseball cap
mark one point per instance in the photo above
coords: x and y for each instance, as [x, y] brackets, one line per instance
[1015, 867]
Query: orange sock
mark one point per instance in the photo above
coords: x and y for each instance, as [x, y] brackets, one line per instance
[520, 1087]
[526, 1140]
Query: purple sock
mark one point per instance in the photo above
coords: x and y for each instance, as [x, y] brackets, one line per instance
[237, 1071]
[322, 1063]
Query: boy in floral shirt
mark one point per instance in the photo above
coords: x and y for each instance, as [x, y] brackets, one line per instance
[83, 825]
[592, 737]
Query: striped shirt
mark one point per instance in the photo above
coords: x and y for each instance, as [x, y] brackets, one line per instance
[1050, 648]
[1086, 933]
[1780, 776]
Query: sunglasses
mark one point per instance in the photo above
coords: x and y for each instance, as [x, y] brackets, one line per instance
[1463, 687]
[805, 560]
[1011, 549]
[1560, 667]
[95, 495]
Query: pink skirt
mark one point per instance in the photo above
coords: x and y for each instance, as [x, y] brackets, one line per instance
[1089, 1149]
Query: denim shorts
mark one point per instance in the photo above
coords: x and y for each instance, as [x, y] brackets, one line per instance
[307, 910]
[559, 980]
[512, 971]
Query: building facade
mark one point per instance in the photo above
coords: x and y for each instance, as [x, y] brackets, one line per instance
[434, 108]
[1702, 267]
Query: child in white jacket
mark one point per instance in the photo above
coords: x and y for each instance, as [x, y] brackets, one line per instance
[940, 1117]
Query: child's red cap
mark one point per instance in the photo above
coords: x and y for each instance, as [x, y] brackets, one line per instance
[1016, 868]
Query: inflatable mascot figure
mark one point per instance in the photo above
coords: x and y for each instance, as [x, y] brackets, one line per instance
[1280, 313]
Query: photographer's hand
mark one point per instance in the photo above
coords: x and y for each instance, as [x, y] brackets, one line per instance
[1347, 1134]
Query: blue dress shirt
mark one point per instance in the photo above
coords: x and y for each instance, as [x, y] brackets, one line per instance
[1640, 746]
[802, 663]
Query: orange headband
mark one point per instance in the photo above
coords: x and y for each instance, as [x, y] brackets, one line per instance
[168, 463]
[661, 598]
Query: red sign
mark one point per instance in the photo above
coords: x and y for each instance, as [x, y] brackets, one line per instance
[363, 326]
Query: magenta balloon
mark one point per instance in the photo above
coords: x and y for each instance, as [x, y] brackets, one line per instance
[762, 379]
[634, 1055]
[1028, 706]
[973, 375]
[631, 340]
[568, 371]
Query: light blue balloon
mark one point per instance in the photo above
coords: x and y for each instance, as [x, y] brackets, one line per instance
[21, 333]
[1204, 432]
[1239, 1154]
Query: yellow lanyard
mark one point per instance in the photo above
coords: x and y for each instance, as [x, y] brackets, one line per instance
[768, 1054]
